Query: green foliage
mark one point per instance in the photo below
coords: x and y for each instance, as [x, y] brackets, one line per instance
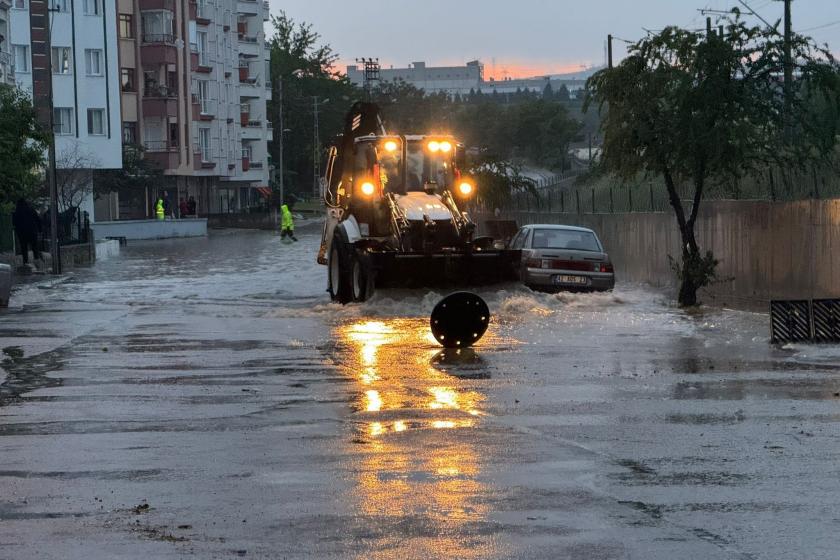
[499, 181]
[304, 67]
[137, 173]
[694, 271]
[22, 146]
[691, 108]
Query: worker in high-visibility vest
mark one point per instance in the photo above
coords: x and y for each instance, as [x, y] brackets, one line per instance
[160, 213]
[287, 222]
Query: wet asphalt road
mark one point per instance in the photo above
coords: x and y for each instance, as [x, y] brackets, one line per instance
[202, 398]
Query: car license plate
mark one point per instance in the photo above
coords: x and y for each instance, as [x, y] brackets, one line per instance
[568, 279]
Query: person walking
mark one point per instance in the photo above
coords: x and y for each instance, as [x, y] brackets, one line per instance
[27, 226]
[160, 211]
[287, 223]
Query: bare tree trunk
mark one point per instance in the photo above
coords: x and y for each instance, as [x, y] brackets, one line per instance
[690, 252]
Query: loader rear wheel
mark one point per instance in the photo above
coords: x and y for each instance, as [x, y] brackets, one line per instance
[340, 271]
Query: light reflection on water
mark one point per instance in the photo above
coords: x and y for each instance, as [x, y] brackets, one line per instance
[415, 461]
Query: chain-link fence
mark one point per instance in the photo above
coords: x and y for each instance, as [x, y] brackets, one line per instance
[612, 195]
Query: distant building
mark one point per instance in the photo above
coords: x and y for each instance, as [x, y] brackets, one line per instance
[431, 79]
[194, 84]
[7, 63]
[470, 77]
[85, 83]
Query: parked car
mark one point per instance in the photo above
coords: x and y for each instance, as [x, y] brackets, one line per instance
[557, 258]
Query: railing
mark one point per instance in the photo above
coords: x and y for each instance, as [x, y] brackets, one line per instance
[247, 39]
[256, 165]
[159, 91]
[166, 38]
[157, 146]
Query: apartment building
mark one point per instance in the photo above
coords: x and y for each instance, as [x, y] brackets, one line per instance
[85, 78]
[194, 84]
[7, 72]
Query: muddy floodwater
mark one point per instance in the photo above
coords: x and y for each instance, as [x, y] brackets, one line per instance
[203, 398]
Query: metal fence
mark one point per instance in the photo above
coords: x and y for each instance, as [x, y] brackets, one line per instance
[612, 195]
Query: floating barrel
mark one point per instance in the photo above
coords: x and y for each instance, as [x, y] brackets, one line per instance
[460, 320]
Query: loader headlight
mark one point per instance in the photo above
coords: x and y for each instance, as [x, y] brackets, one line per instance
[368, 189]
[465, 188]
[445, 147]
[434, 146]
[390, 146]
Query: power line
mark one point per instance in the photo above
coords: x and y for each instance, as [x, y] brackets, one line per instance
[823, 26]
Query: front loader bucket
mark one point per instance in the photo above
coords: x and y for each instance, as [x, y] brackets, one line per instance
[414, 270]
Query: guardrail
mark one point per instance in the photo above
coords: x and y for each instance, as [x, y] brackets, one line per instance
[159, 91]
[157, 146]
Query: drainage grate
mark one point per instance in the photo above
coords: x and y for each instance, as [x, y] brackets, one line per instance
[826, 314]
[790, 321]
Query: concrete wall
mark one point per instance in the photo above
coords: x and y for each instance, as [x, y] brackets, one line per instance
[767, 250]
[254, 220]
[150, 229]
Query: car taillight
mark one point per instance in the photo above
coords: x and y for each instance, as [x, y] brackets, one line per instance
[602, 267]
[533, 263]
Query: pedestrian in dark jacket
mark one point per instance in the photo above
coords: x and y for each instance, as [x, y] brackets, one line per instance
[27, 226]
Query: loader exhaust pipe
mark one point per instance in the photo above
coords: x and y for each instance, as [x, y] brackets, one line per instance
[460, 320]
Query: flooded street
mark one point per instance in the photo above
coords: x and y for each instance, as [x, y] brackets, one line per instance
[203, 398]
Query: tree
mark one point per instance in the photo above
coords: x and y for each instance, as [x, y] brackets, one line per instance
[548, 91]
[563, 94]
[22, 146]
[693, 108]
[137, 176]
[74, 176]
[304, 67]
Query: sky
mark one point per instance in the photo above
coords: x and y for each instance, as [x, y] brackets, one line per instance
[521, 38]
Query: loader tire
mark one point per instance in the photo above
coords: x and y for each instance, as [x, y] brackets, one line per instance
[339, 268]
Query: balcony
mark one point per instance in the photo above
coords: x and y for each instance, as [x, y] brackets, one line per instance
[159, 48]
[157, 5]
[160, 101]
[266, 11]
[161, 154]
[203, 14]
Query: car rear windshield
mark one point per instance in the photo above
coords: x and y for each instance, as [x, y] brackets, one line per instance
[565, 239]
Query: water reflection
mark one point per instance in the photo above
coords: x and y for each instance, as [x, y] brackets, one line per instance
[419, 460]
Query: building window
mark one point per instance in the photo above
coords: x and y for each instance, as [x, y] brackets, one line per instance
[130, 133]
[157, 27]
[202, 48]
[59, 5]
[93, 62]
[62, 60]
[96, 122]
[127, 81]
[21, 53]
[93, 7]
[203, 92]
[19, 4]
[204, 143]
[173, 135]
[63, 120]
[126, 26]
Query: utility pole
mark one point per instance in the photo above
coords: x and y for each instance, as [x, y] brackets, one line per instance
[42, 90]
[708, 27]
[609, 51]
[788, 61]
[280, 143]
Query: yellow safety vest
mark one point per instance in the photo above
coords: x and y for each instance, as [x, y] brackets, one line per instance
[287, 221]
[159, 209]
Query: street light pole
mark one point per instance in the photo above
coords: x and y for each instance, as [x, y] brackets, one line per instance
[316, 156]
[55, 254]
[280, 154]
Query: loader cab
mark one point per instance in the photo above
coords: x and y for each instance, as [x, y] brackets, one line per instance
[431, 163]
